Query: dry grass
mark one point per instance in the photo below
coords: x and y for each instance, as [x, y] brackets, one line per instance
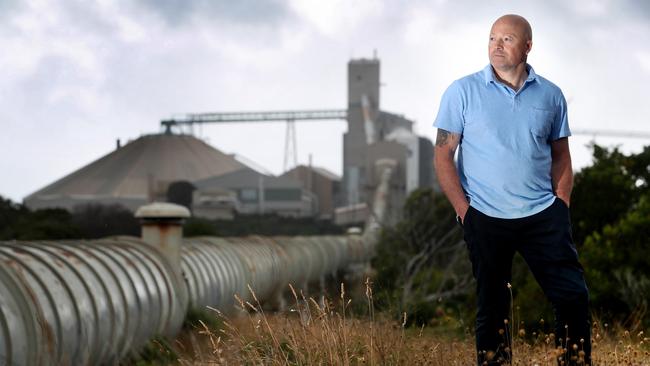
[322, 333]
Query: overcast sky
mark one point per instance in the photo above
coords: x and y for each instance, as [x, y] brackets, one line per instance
[77, 75]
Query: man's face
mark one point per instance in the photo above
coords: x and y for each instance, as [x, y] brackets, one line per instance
[509, 44]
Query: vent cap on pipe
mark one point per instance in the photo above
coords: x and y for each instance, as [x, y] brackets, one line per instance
[162, 228]
[354, 231]
[162, 210]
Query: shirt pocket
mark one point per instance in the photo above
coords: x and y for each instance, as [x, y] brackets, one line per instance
[540, 122]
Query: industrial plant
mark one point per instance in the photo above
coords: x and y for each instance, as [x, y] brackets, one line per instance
[99, 301]
[176, 166]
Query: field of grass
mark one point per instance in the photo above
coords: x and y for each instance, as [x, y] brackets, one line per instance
[322, 332]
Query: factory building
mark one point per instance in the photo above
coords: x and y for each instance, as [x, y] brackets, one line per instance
[136, 173]
[373, 135]
[149, 168]
[324, 185]
[251, 192]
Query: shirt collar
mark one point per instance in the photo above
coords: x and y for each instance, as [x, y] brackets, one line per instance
[488, 74]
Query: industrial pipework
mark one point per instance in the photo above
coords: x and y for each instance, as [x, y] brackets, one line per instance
[84, 302]
[90, 302]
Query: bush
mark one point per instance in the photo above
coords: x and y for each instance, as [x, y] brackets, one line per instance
[86, 222]
[98, 221]
[421, 263]
[616, 262]
[270, 224]
[606, 190]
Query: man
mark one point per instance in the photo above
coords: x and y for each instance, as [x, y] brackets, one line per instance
[511, 190]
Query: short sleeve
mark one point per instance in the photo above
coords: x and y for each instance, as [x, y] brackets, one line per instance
[561, 122]
[451, 112]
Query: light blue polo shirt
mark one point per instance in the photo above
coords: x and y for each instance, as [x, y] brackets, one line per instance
[504, 156]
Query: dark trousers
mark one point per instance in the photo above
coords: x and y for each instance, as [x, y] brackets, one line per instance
[544, 241]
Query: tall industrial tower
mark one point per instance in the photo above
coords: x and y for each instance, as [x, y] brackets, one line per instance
[363, 83]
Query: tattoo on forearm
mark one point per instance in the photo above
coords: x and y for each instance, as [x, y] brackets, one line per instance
[442, 138]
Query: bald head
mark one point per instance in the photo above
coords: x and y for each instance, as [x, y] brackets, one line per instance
[519, 22]
[511, 39]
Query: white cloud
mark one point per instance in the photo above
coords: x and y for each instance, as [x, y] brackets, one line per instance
[591, 8]
[643, 57]
[130, 30]
[337, 17]
[421, 26]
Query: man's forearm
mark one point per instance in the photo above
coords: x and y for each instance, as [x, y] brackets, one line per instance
[450, 182]
[562, 176]
[562, 171]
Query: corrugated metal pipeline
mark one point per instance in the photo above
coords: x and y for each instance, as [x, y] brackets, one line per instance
[84, 302]
[217, 268]
[94, 302]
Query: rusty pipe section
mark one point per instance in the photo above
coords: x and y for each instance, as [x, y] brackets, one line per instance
[84, 302]
[216, 269]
